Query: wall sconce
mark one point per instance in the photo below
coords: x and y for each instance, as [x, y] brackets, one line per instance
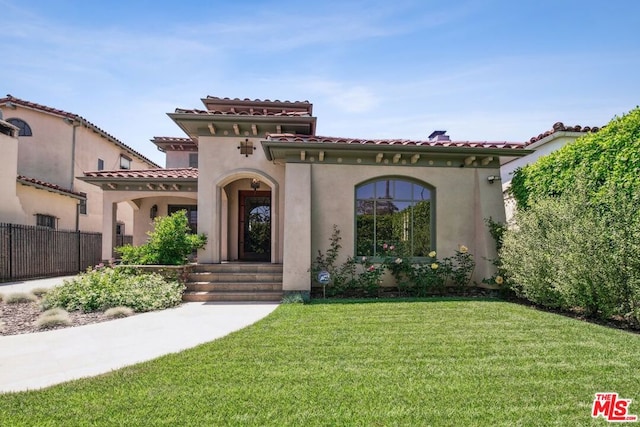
[492, 178]
[255, 184]
[153, 212]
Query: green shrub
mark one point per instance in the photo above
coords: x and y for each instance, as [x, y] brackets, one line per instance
[109, 287]
[119, 312]
[20, 297]
[571, 252]
[170, 243]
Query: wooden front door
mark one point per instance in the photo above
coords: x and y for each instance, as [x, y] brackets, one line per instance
[254, 231]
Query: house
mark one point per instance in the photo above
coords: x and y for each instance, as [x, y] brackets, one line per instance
[541, 145]
[268, 189]
[51, 149]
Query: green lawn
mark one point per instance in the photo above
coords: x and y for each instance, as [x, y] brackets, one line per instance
[437, 362]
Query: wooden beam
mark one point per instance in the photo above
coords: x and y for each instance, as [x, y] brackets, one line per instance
[278, 129]
[150, 186]
[415, 158]
[303, 155]
[212, 129]
[321, 156]
[254, 129]
[469, 160]
[162, 186]
[485, 161]
[396, 157]
[236, 129]
[379, 157]
[176, 187]
[112, 186]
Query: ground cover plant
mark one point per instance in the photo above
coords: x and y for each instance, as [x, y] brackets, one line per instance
[421, 362]
[106, 287]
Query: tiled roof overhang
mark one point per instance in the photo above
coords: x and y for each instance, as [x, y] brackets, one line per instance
[179, 179]
[170, 143]
[306, 148]
[9, 100]
[207, 123]
[54, 188]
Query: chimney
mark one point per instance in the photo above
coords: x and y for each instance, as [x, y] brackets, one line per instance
[438, 136]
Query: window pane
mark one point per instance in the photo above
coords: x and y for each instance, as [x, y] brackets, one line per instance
[365, 191]
[422, 228]
[421, 193]
[403, 190]
[394, 212]
[384, 189]
[364, 234]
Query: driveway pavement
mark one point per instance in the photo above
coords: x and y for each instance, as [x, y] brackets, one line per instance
[32, 361]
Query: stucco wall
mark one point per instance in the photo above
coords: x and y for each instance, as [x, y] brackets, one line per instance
[463, 199]
[48, 155]
[36, 201]
[224, 165]
[10, 207]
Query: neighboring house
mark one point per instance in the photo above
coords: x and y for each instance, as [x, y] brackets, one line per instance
[268, 189]
[54, 147]
[541, 145]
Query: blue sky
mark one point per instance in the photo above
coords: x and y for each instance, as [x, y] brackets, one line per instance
[482, 70]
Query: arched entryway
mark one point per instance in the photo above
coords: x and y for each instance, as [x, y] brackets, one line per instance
[248, 217]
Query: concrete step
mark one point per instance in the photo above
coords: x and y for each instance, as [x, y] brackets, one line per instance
[231, 296]
[226, 277]
[238, 267]
[234, 286]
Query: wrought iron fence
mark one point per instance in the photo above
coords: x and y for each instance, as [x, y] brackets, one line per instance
[29, 251]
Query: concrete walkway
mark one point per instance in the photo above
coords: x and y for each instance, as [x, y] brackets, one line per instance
[32, 361]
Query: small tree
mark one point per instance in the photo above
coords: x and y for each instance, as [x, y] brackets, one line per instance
[170, 243]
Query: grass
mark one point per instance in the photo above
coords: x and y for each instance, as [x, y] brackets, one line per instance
[20, 297]
[436, 362]
[119, 312]
[53, 320]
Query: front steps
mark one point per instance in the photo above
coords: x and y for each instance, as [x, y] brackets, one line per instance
[230, 282]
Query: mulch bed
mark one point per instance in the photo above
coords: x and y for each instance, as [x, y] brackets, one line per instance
[20, 318]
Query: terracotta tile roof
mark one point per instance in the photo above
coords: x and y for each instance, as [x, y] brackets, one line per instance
[405, 142]
[61, 113]
[49, 186]
[277, 101]
[251, 112]
[559, 127]
[178, 173]
[172, 139]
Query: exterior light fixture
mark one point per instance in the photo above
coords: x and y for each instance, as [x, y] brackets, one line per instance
[255, 184]
[492, 178]
[153, 212]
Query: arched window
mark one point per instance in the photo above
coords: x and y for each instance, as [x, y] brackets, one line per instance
[24, 128]
[396, 212]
